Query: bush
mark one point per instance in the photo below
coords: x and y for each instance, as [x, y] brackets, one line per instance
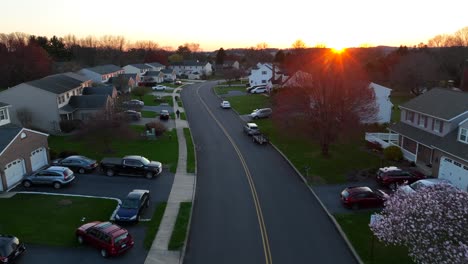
[393, 153]
[374, 146]
[159, 128]
[67, 153]
[68, 126]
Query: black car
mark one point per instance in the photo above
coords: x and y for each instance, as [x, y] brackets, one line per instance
[164, 115]
[80, 164]
[10, 248]
[132, 206]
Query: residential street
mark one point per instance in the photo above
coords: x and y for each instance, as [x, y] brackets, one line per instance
[225, 224]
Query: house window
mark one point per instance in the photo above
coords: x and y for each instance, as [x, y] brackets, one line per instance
[264, 72]
[463, 135]
[3, 114]
[263, 81]
[422, 121]
[437, 126]
[409, 116]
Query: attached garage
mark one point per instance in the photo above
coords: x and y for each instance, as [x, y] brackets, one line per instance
[14, 172]
[455, 172]
[38, 158]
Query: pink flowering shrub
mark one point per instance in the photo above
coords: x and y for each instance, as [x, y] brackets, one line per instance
[432, 223]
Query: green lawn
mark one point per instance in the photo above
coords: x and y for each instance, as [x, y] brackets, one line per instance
[164, 149]
[224, 89]
[153, 225]
[301, 152]
[244, 104]
[243, 82]
[179, 102]
[148, 114]
[396, 101]
[356, 228]
[190, 151]
[51, 219]
[183, 116]
[180, 229]
[150, 100]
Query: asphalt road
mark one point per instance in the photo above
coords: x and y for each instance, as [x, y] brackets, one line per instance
[101, 185]
[226, 226]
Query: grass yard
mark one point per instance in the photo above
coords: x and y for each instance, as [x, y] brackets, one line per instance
[243, 82]
[356, 228]
[244, 104]
[396, 101]
[164, 149]
[224, 89]
[180, 229]
[153, 225]
[343, 157]
[190, 151]
[53, 222]
[148, 114]
[183, 116]
[150, 100]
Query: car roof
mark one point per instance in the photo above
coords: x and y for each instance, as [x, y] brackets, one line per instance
[4, 239]
[164, 111]
[391, 168]
[252, 124]
[136, 194]
[133, 157]
[56, 168]
[359, 189]
[110, 228]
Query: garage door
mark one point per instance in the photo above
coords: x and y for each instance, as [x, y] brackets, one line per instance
[38, 158]
[14, 172]
[455, 172]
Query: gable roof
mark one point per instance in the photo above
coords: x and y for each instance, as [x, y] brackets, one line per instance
[102, 90]
[155, 64]
[85, 102]
[57, 84]
[450, 144]
[104, 69]
[140, 66]
[441, 103]
[7, 134]
[77, 76]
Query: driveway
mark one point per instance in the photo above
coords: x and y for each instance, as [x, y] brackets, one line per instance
[101, 185]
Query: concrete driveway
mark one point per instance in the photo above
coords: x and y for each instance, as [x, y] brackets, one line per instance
[101, 185]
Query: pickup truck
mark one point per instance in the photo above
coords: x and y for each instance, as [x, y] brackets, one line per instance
[131, 165]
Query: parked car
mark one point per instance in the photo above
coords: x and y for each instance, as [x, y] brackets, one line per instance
[159, 87]
[225, 104]
[394, 176]
[132, 115]
[56, 176]
[178, 82]
[79, 164]
[251, 129]
[250, 88]
[133, 205]
[257, 90]
[10, 248]
[164, 115]
[261, 113]
[415, 186]
[110, 239]
[134, 103]
[132, 166]
[359, 197]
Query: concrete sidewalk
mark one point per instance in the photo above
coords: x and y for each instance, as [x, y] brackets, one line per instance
[182, 190]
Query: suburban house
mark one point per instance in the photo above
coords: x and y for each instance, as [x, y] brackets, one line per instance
[433, 132]
[107, 90]
[85, 106]
[139, 69]
[384, 105]
[228, 64]
[22, 150]
[154, 76]
[125, 82]
[189, 66]
[170, 75]
[101, 73]
[262, 73]
[156, 66]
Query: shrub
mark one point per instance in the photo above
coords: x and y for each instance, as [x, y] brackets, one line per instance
[67, 153]
[159, 128]
[374, 146]
[393, 153]
[68, 126]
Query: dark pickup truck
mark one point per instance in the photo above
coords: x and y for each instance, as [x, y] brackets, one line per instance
[131, 165]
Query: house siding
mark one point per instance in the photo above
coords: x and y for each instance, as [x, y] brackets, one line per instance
[42, 104]
[21, 149]
[447, 127]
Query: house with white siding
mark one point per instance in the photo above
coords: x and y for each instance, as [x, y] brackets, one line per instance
[101, 73]
[139, 69]
[188, 67]
[262, 73]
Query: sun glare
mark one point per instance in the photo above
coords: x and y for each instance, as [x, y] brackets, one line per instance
[338, 50]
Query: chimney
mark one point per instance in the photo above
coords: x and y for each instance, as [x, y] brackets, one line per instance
[464, 77]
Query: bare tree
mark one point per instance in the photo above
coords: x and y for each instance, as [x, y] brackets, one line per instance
[299, 44]
[327, 103]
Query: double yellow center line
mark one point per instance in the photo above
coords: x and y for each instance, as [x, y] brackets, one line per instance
[258, 209]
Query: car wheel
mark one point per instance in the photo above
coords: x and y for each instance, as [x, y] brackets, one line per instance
[149, 175]
[110, 173]
[27, 184]
[80, 239]
[104, 253]
[355, 206]
[255, 117]
[81, 171]
[57, 185]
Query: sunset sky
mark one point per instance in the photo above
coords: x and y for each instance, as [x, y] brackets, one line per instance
[240, 23]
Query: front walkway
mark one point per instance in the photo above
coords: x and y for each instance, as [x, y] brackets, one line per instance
[182, 191]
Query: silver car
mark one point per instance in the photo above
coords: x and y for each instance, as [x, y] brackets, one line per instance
[56, 176]
[261, 113]
[251, 129]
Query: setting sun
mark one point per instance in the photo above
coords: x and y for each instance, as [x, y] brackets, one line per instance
[338, 50]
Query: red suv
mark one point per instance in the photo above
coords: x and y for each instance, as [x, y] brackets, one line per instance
[109, 238]
[394, 176]
[358, 197]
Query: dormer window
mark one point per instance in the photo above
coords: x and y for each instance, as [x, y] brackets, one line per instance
[463, 135]
[3, 114]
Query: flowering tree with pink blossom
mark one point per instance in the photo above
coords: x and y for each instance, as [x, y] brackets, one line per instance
[431, 222]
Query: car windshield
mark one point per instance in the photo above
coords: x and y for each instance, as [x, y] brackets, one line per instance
[119, 239]
[130, 204]
[145, 161]
[86, 159]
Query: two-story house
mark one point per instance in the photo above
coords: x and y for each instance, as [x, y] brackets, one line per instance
[101, 73]
[154, 77]
[188, 67]
[262, 73]
[156, 66]
[138, 68]
[433, 132]
[124, 83]
[170, 75]
[22, 150]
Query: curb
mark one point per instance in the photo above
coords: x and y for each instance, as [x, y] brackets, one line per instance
[335, 223]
